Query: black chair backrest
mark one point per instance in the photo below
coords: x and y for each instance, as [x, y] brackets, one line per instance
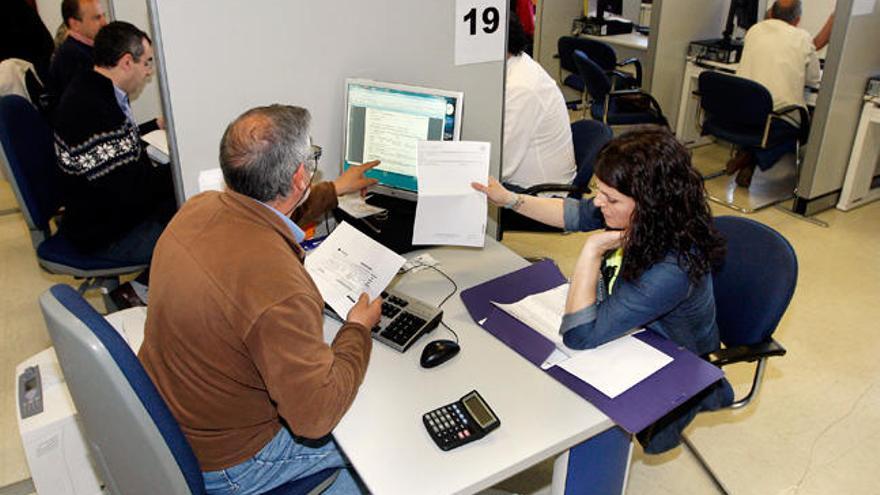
[756, 282]
[596, 80]
[600, 52]
[588, 136]
[29, 145]
[734, 100]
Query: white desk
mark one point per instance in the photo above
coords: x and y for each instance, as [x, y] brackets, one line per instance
[687, 124]
[863, 159]
[628, 45]
[382, 434]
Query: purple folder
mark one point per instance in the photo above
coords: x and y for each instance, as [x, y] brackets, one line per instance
[633, 410]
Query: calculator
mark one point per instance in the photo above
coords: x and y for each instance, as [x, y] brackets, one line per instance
[461, 422]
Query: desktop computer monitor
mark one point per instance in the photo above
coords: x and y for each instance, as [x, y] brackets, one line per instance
[385, 121]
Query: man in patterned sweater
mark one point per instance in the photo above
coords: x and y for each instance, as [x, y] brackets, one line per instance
[116, 200]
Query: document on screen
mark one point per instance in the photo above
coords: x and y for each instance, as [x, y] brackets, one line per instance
[449, 211]
[348, 263]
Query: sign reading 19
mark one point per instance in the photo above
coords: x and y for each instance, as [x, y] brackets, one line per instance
[490, 19]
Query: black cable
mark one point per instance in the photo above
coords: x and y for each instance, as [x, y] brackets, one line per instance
[445, 299]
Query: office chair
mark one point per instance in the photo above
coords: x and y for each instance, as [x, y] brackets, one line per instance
[752, 290]
[588, 137]
[604, 55]
[615, 106]
[740, 111]
[28, 145]
[135, 442]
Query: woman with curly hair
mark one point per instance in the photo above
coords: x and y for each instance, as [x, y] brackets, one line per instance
[650, 267]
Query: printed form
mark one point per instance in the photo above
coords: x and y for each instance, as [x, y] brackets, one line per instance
[348, 263]
[449, 211]
[612, 368]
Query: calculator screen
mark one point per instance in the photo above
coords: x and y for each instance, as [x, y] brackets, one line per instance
[479, 410]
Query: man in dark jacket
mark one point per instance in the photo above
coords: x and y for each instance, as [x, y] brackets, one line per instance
[116, 200]
[83, 18]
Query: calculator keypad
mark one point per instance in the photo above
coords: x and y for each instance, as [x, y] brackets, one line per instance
[449, 426]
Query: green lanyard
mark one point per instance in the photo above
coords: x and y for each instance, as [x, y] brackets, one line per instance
[611, 268]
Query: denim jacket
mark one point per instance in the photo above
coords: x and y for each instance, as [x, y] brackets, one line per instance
[662, 300]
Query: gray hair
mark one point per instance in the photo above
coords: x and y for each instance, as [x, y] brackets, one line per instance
[262, 149]
[786, 11]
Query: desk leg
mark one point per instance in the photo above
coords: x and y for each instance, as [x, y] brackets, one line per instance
[599, 465]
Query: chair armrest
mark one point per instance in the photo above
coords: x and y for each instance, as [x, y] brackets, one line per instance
[784, 114]
[639, 91]
[638, 65]
[745, 353]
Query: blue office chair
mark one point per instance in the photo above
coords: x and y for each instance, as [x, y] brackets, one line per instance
[740, 111]
[604, 55]
[28, 144]
[752, 291]
[588, 137]
[136, 443]
[615, 106]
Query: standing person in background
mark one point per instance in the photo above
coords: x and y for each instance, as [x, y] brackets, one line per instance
[83, 18]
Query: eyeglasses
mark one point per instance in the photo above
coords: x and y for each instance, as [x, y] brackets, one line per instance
[314, 155]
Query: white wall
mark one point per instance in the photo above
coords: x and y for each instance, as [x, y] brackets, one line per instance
[50, 12]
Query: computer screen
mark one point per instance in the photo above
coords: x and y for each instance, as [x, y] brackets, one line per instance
[609, 7]
[386, 121]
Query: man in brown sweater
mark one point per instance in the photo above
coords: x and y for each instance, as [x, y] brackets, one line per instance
[234, 333]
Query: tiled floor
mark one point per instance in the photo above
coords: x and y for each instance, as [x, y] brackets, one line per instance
[812, 431]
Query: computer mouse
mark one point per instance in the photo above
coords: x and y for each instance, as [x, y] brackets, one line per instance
[438, 352]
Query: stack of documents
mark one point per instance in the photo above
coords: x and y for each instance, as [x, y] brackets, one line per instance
[611, 368]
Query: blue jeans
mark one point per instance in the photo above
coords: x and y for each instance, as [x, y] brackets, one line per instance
[280, 461]
[136, 246]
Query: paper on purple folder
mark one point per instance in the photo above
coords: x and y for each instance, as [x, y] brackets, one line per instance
[632, 410]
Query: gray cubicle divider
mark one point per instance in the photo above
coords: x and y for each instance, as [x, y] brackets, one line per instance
[218, 58]
[851, 59]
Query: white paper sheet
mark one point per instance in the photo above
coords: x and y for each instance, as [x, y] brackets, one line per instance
[158, 145]
[354, 205]
[348, 263]
[449, 211]
[614, 367]
[542, 312]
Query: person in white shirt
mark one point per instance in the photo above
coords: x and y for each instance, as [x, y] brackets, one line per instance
[782, 57]
[537, 132]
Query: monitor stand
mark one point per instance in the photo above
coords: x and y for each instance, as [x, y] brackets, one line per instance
[392, 228]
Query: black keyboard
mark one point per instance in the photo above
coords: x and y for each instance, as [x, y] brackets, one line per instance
[404, 320]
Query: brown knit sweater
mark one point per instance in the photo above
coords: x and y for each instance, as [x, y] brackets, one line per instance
[234, 333]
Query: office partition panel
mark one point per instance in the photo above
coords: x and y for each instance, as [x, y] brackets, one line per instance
[219, 58]
[851, 59]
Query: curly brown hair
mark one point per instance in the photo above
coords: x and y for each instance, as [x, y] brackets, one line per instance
[671, 214]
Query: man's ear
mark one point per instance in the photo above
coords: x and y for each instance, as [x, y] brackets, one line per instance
[300, 181]
[126, 61]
